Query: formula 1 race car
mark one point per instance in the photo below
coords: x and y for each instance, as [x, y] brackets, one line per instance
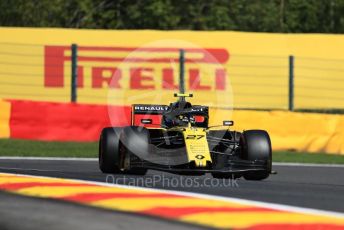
[177, 139]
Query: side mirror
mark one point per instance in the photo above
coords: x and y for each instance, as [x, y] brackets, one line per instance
[146, 121]
[228, 123]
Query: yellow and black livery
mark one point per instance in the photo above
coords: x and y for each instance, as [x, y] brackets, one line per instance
[177, 138]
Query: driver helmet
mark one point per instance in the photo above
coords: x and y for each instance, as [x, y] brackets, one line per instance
[180, 105]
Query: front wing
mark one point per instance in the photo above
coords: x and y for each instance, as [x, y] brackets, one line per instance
[232, 166]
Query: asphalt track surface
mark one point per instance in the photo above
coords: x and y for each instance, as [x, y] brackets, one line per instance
[318, 187]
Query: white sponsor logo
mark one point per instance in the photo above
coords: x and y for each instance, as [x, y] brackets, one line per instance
[151, 108]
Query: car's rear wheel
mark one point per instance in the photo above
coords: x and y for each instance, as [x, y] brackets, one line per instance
[256, 145]
[108, 155]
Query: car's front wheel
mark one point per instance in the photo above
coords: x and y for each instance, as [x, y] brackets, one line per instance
[256, 145]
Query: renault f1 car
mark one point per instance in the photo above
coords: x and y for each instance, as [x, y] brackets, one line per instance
[177, 138]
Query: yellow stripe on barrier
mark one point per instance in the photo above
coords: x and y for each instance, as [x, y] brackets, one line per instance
[192, 208]
[308, 132]
[5, 115]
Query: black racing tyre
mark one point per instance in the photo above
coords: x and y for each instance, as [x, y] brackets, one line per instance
[135, 141]
[256, 145]
[109, 150]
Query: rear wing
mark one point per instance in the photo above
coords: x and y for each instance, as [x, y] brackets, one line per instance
[201, 114]
[147, 115]
[200, 110]
[151, 115]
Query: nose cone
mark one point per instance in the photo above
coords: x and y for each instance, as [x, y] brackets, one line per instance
[197, 146]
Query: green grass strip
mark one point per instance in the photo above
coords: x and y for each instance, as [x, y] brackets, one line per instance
[12, 147]
[302, 157]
